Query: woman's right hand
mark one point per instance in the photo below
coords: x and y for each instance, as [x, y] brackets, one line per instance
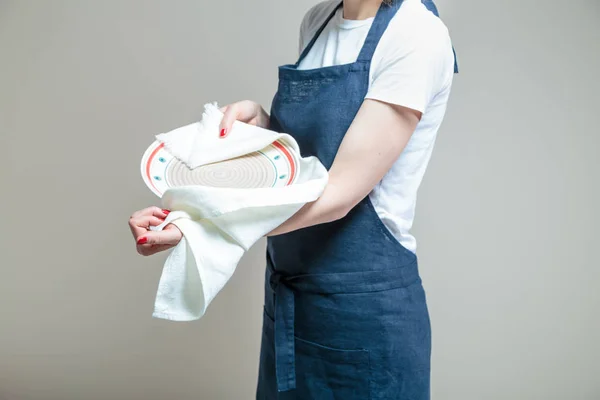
[149, 242]
[246, 111]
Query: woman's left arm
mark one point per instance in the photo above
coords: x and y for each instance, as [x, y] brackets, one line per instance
[374, 141]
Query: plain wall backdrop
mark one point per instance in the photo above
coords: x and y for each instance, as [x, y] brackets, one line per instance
[506, 222]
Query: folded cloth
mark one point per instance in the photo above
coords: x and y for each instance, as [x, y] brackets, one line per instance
[220, 224]
[199, 143]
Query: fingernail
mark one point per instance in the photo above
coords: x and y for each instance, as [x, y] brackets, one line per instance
[223, 132]
[166, 211]
[142, 240]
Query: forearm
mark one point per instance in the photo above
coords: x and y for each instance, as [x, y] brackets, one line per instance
[361, 162]
[327, 208]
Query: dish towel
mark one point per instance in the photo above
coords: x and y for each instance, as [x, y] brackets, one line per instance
[220, 224]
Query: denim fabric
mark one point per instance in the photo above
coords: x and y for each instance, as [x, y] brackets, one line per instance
[345, 313]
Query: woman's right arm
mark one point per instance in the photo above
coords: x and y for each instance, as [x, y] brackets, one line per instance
[150, 242]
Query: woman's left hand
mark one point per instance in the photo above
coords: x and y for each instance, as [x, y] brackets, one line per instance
[151, 242]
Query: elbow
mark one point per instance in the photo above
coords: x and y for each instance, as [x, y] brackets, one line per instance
[337, 212]
[336, 204]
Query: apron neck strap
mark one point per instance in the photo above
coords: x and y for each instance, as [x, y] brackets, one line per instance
[384, 15]
[316, 35]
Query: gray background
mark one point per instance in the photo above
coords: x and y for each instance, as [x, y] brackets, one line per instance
[506, 221]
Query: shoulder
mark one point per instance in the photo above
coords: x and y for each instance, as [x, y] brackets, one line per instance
[416, 29]
[413, 61]
[314, 17]
[415, 40]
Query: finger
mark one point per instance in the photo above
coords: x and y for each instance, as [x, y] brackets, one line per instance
[152, 210]
[140, 225]
[229, 116]
[243, 111]
[138, 218]
[147, 250]
[166, 236]
[152, 243]
[148, 220]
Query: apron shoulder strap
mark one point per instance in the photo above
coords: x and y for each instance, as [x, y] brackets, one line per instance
[382, 19]
[384, 15]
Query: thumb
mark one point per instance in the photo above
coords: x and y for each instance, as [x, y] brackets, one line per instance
[171, 235]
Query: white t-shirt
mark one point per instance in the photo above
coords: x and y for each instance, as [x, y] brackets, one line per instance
[413, 66]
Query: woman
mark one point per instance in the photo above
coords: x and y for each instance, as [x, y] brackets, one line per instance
[345, 313]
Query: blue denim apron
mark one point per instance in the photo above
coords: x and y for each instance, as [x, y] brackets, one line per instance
[345, 313]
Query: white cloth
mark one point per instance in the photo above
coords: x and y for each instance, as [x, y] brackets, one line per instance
[413, 66]
[220, 224]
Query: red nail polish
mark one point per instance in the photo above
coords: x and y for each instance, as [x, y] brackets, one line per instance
[142, 240]
[166, 211]
[223, 132]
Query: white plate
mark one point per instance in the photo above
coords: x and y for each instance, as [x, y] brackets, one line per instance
[273, 166]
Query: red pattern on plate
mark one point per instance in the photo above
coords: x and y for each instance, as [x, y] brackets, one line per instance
[288, 156]
[150, 162]
[290, 160]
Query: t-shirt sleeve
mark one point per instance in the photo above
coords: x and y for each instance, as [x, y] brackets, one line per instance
[302, 34]
[306, 25]
[411, 68]
[312, 20]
